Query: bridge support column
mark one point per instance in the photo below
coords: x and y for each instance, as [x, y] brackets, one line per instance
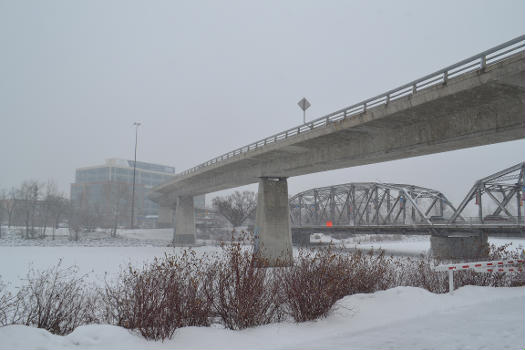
[461, 246]
[165, 219]
[273, 238]
[301, 237]
[184, 231]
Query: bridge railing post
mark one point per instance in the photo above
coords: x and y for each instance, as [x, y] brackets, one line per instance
[450, 281]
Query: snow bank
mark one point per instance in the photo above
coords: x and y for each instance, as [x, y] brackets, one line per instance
[399, 318]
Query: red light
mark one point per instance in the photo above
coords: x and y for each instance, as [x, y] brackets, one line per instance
[329, 223]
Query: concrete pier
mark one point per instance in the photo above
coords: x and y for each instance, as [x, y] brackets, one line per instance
[184, 231]
[461, 246]
[301, 237]
[165, 219]
[273, 238]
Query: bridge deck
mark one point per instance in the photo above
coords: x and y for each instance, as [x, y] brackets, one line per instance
[482, 104]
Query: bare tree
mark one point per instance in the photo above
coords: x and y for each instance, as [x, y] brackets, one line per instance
[54, 208]
[75, 220]
[11, 204]
[45, 210]
[84, 215]
[119, 203]
[237, 207]
[29, 193]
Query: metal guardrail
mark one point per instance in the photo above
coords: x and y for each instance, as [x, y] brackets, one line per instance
[501, 221]
[498, 266]
[477, 62]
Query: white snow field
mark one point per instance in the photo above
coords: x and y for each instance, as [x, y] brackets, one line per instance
[399, 318]
[401, 245]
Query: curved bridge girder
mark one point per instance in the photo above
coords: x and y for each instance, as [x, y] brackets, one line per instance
[369, 203]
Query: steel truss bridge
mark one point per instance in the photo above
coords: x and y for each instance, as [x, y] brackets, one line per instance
[373, 207]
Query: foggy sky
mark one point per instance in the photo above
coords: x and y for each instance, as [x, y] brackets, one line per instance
[206, 77]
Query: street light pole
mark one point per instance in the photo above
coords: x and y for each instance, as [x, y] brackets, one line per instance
[136, 124]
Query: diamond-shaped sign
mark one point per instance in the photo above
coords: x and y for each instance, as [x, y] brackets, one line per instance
[304, 104]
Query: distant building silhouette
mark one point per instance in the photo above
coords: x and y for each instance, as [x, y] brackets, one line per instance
[105, 191]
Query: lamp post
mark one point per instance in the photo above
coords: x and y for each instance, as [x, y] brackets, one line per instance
[136, 124]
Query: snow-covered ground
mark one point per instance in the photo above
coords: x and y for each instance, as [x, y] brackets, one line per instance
[100, 238]
[400, 245]
[97, 263]
[399, 318]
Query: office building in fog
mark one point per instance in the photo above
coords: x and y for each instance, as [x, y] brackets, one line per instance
[105, 191]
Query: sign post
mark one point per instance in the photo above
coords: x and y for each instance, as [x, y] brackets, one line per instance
[304, 104]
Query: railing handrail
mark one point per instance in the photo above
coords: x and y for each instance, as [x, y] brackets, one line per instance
[479, 61]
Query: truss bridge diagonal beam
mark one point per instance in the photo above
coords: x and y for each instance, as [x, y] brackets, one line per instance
[510, 183]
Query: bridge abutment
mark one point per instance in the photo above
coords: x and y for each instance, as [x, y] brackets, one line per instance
[301, 237]
[460, 246]
[273, 238]
[184, 231]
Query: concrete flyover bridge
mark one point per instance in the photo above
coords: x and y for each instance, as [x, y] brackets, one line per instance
[477, 101]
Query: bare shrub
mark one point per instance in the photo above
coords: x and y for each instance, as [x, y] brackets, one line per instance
[6, 304]
[315, 282]
[368, 272]
[244, 292]
[165, 295]
[54, 299]
[237, 288]
[420, 273]
[493, 279]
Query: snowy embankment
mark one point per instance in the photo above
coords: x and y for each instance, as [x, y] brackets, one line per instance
[398, 318]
